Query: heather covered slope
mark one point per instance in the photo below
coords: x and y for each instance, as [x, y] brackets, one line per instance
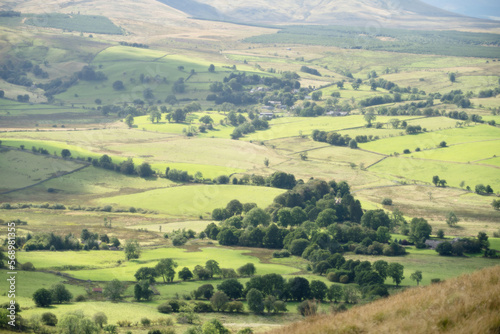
[467, 304]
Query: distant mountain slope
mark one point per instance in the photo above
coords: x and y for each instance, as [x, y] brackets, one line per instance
[374, 13]
[467, 304]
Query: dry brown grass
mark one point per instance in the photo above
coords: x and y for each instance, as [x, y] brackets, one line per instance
[467, 304]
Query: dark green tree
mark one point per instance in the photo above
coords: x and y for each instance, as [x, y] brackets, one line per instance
[65, 153]
[42, 297]
[318, 290]
[255, 301]
[166, 269]
[247, 270]
[219, 300]
[60, 294]
[185, 274]
[114, 290]
[396, 272]
[232, 288]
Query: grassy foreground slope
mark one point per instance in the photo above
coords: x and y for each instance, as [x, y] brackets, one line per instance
[467, 304]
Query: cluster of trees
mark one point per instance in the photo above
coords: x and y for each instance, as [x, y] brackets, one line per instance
[57, 294]
[49, 241]
[166, 268]
[481, 189]
[126, 167]
[462, 115]
[231, 89]
[88, 73]
[489, 93]
[376, 100]
[135, 45]
[325, 220]
[332, 138]
[438, 182]
[456, 97]
[54, 242]
[309, 109]
[467, 245]
[245, 126]
[411, 109]
[310, 70]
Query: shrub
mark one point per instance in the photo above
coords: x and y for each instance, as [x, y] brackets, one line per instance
[201, 307]
[307, 308]
[49, 319]
[146, 322]
[235, 307]
[387, 201]
[28, 266]
[435, 280]
[332, 277]
[344, 279]
[165, 308]
[440, 234]
[124, 323]
[80, 298]
[406, 151]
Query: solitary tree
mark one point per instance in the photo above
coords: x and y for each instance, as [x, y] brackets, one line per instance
[396, 271]
[247, 270]
[370, 117]
[166, 268]
[185, 274]
[145, 170]
[213, 267]
[416, 276]
[452, 76]
[60, 294]
[255, 301]
[219, 300]
[452, 219]
[334, 293]
[132, 249]
[211, 68]
[435, 180]
[113, 290]
[65, 153]
[42, 297]
[129, 120]
[100, 319]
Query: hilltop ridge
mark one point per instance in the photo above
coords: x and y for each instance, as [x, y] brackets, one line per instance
[372, 13]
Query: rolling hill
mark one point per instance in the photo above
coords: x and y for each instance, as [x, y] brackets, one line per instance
[156, 15]
[467, 304]
[369, 13]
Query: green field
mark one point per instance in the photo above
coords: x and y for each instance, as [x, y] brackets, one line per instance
[27, 282]
[468, 152]
[21, 169]
[432, 139]
[424, 170]
[294, 126]
[107, 267]
[194, 200]
[431, 264]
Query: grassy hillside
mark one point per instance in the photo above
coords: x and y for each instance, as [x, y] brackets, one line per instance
[468, 304]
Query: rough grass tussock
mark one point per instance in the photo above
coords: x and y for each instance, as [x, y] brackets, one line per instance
[467, 304]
